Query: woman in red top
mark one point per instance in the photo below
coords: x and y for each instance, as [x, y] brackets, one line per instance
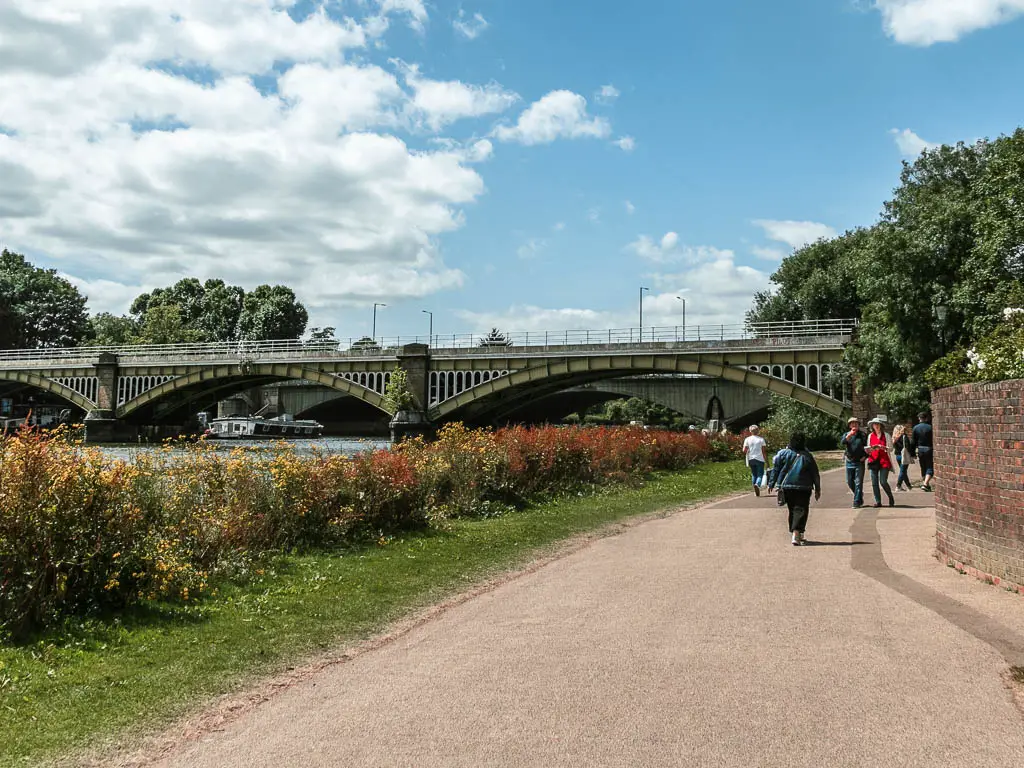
[879, 462]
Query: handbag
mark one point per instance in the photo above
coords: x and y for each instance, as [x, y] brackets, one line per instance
[906, 457]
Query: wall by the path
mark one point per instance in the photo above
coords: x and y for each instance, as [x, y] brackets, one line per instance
[979, 472]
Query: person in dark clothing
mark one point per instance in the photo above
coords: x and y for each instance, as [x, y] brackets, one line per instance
[922, 447]
[796, 473]
[855, 444]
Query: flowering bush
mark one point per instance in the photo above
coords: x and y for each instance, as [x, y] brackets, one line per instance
[995, 357]
[81, 533]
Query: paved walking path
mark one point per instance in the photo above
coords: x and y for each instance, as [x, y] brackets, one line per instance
[702, 639]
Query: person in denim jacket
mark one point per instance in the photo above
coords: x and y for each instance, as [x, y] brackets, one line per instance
[796, 473]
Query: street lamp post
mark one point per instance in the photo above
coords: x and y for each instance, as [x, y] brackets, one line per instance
[642, 312]
[941, 312]
[373, 333]
[430, 338]
[684, 315]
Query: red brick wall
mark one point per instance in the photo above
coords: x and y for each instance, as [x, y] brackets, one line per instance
[979, 472]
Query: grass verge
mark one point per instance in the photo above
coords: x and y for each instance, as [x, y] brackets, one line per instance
[95, 680]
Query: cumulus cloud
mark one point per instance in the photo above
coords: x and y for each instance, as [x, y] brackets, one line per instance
[925, 22]
[606, 94]
[717, 292]
[669, 249]
[630, 208]
[558, 115]
[626, 143]
[145, 140]
[470, 27]
[440, 102]
[795, 234]
[532, 248]
[909, 143]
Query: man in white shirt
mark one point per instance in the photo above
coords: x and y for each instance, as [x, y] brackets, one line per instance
[756, 449]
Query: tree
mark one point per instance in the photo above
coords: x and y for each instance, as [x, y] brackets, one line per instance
[271, 312]
[109, 330]
[212, 309]
[38, 308]
[366, 344]
[495, 339]
[932, 274]
[162, 324]
[317, 335]
[397, 395]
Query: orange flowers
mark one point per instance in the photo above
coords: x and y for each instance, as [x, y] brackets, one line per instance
[80, 532]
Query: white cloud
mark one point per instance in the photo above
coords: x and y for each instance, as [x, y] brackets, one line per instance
[795, 234]
[626, 143]
[440, 102]
[532, 248]
[606, 94]
[135, 174]
[108, 295]
[909, 143]
[769, 254]
[470, 27]
[413, 9]
[717, 292]
[630, 208]
[559, 226]
[531, 318]
[594, 215]
[558, 115]
[668, 249]
[925, 22]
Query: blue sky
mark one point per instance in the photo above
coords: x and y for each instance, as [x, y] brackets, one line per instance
[522, 164]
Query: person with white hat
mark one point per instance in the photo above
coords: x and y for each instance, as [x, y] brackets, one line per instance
[855, 443]
[879, 461]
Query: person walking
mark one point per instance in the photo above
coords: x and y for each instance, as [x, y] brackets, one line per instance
[854, 445]
[901, 446]
[796, 473]
[755, 449]
[879, 462]
[922, 446]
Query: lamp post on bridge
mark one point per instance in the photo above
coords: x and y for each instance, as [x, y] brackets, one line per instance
[373, 333]
[430, 338]
[684, 315]
[642, 312]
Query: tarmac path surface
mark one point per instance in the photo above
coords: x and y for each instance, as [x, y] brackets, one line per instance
[700, 639]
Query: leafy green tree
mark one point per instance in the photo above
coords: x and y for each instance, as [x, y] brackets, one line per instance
[788, 416]
[933, 274]
[111, 330]
[272, 312]
[397, 395]
[212, 309]
[162, 324]
[38, 308]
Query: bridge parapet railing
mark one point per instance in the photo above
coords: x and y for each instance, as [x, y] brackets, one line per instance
[796, 333]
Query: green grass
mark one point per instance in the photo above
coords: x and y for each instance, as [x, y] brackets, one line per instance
[96, 680]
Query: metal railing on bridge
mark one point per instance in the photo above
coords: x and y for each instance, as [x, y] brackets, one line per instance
[803, 332]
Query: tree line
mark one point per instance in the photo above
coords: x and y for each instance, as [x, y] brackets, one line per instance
[930, 280]
[39, 308]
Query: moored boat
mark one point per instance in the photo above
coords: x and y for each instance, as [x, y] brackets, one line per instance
[249, 427]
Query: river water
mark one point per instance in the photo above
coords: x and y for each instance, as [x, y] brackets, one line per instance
[343, 445]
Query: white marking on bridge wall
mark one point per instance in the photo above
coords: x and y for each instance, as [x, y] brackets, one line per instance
[130, 387]
[86, 386]
[444, 385]
[811, 376]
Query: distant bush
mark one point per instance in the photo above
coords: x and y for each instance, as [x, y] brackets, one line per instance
[80, 533]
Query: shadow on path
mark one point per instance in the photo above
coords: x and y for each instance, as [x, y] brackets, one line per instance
[870, 562]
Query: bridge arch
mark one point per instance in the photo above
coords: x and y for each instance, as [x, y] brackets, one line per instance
[48, 385]
[553, 375]
[254, 372]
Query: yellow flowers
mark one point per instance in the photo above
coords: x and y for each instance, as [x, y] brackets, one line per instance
[80, 532]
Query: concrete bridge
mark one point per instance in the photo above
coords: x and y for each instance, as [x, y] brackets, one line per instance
[696, 397]
[119, 388]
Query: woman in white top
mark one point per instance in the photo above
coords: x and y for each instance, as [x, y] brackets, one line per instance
[756, 449]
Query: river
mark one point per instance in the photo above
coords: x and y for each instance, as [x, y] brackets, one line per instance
[343, 445]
